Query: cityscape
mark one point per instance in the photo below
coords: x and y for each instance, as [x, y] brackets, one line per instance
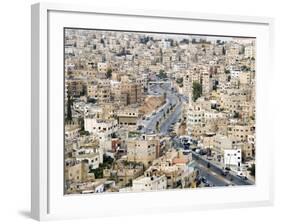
[157, 111]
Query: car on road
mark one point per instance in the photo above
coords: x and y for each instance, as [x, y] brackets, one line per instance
[227, 168]
[186, 152]
[202, 152]
[172, 134]
[242, 175]
[186, 146]
[203, 179]
[195, 142]
[224, 172]
[170, 129]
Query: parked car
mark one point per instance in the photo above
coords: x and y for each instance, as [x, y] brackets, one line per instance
[224, 172]
[203, 179]
[172, 134]
[241, 175]
[202, 152]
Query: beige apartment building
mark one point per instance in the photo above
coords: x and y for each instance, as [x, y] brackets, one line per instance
[71, 131]
[91, 153]
[231, 103]
[241, 132]
[175, 166]
[127, 117]
[123, 175]
[102, 128]
[131, 93]
[223, 142]
[77, 172]
[102, 67]
[245, 78]
[247, 149]
[207, 83]
[143, 151]
[153, 183]
[75, 87]
[99, 90]
[250, 51]
[195, 119]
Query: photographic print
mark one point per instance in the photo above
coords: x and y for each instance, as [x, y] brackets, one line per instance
[150, 111]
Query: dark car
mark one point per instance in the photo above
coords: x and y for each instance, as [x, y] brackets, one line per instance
[202, 152]
[185, 146]
[203, 179]
[224, 172]
[172, 134]
[243, 177]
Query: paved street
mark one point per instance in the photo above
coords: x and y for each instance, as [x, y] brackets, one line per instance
[171, 99]
[211, 176]
[214, 168]
[173, 117]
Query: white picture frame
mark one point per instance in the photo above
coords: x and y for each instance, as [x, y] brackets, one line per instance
[47, 199]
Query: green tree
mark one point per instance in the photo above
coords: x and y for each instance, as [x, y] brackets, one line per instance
[161, 55]
[69, 112]
[223, 51]
[162, 74]
[236, 114]
[196, 90]
[81, 123]
[179, 80]
[109, 73]
[157, 125]
[98, 172]
[226, 71]
[242, 50]
[228, 78]
[107, 160]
